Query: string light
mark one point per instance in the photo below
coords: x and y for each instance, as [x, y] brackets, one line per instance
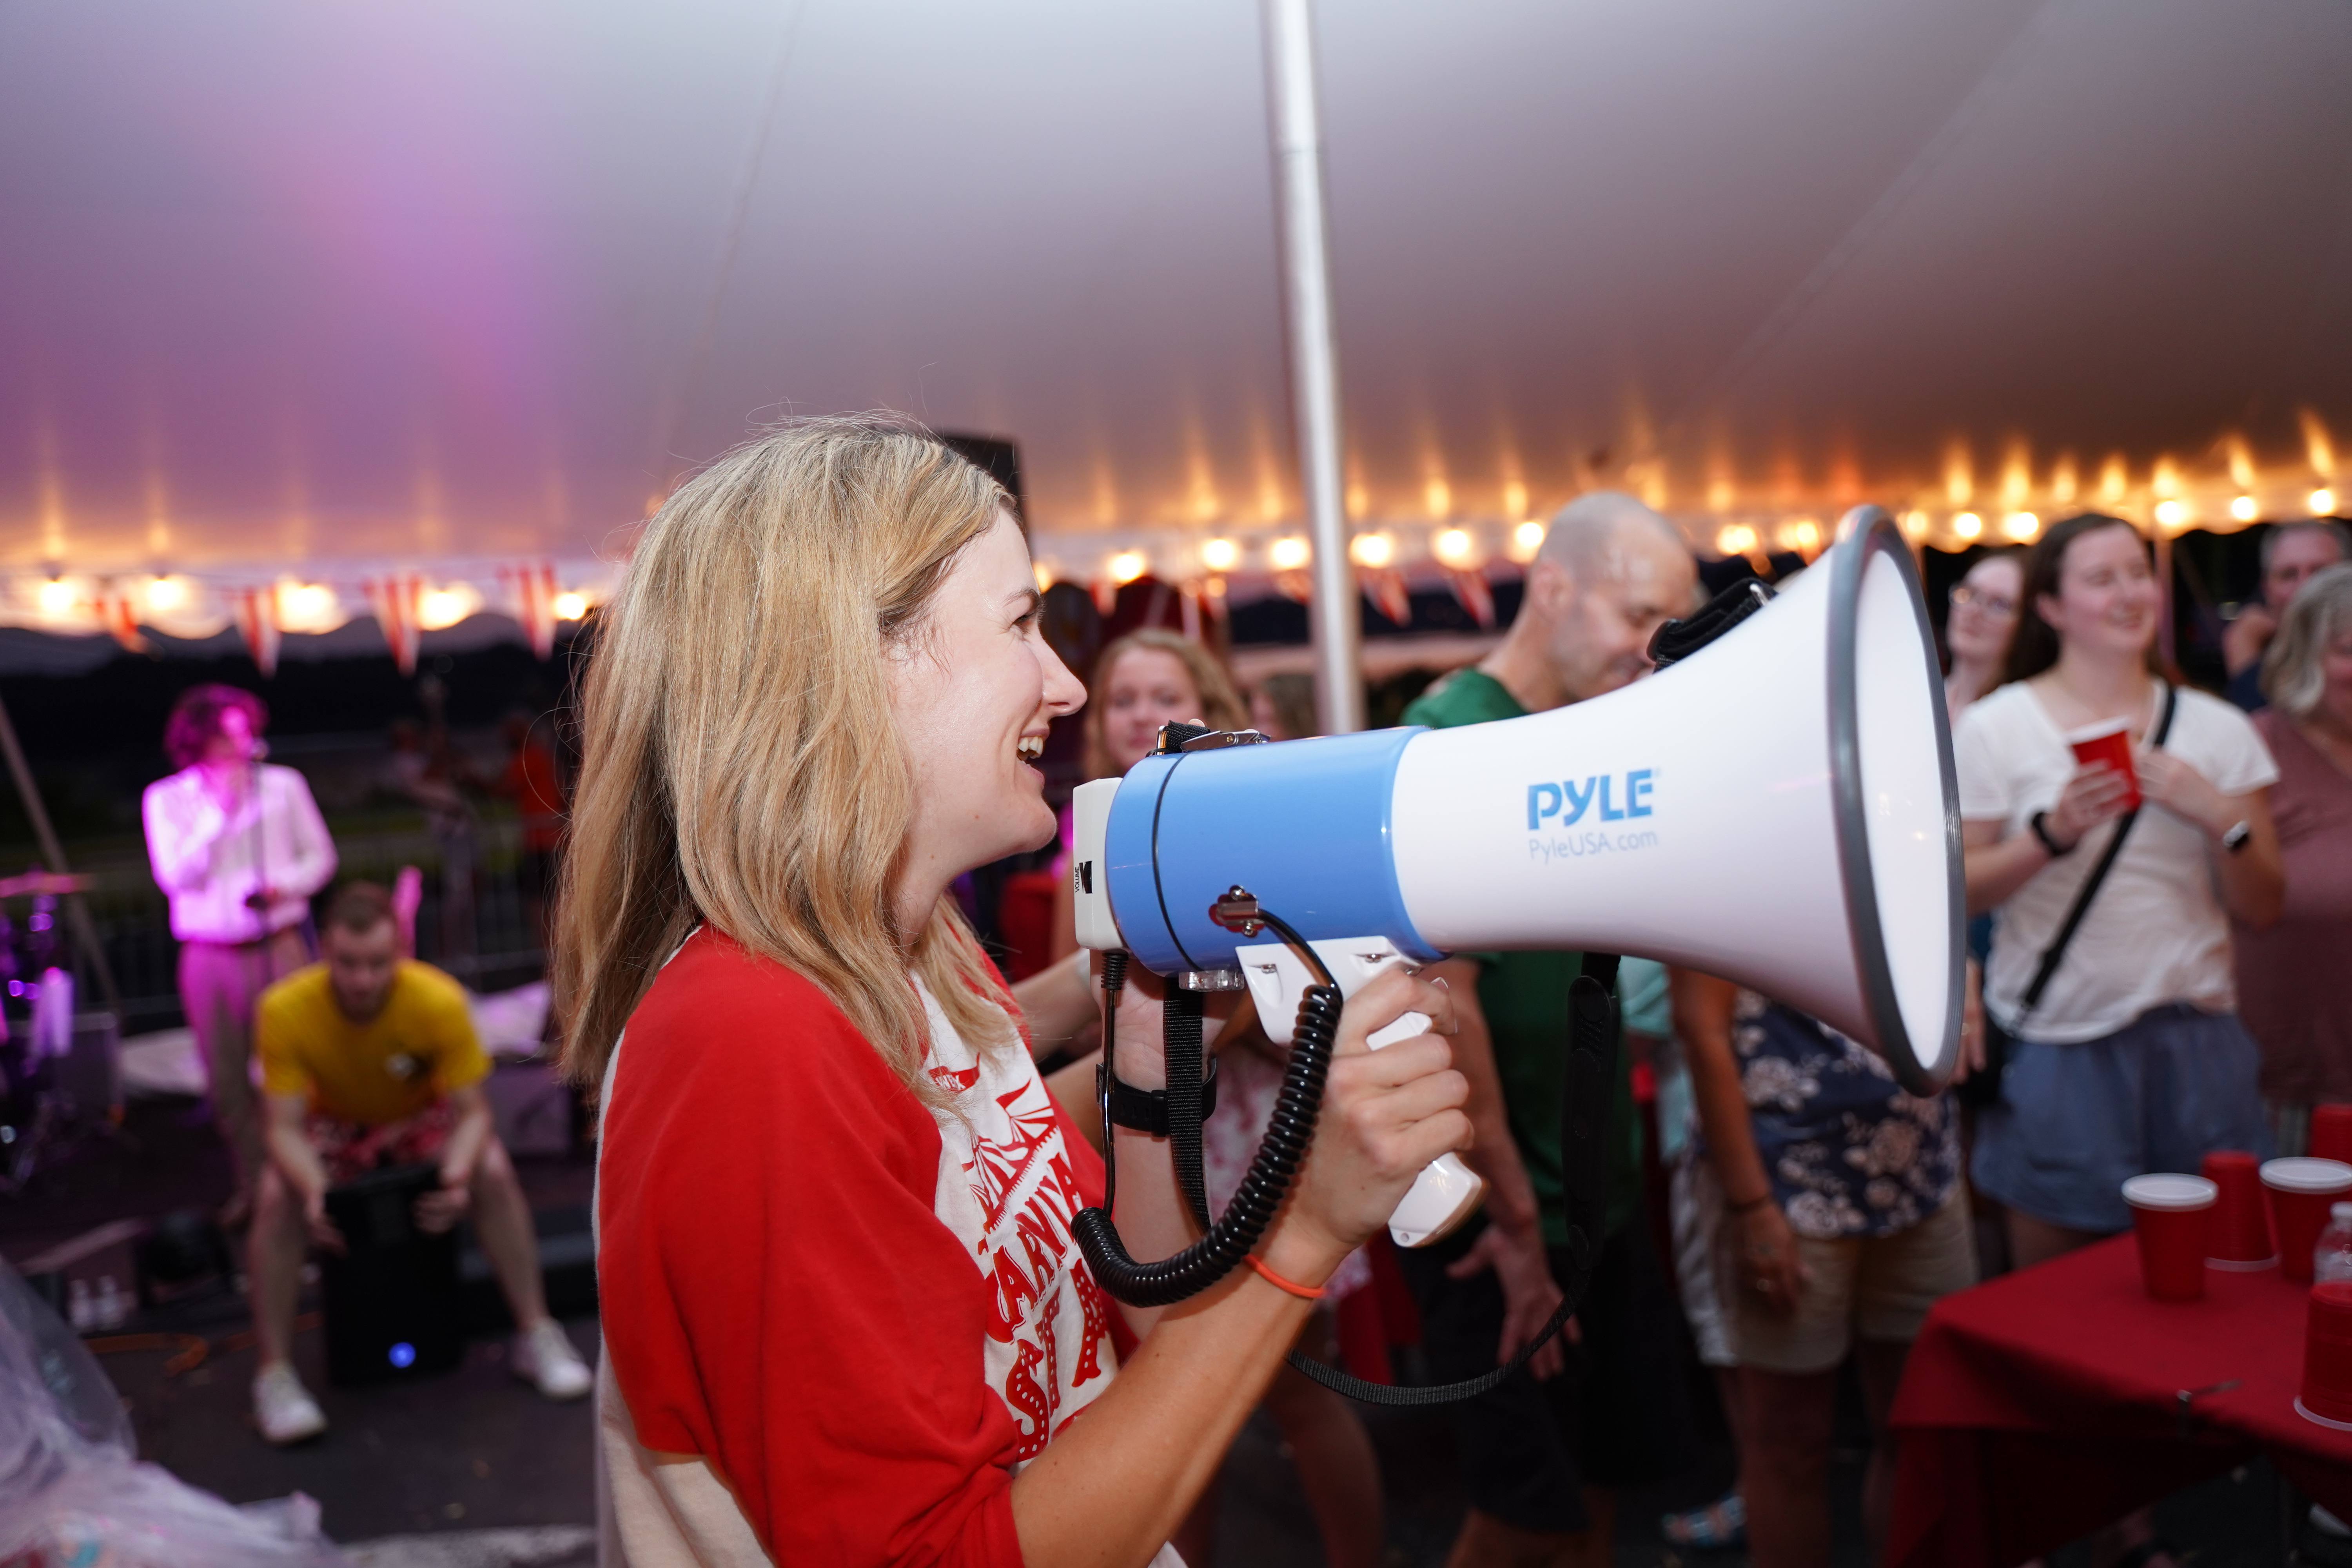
[573, 606]
[1915, 524]
[306, 606]
[56, 596]
[1737, 539]
[2323, 502]
[1373, 548]
[2245, 509]
[1804, 535]
[2172, 513]
[2064, 480]
[1288, 554]
[2114, 480]
[2021, 525]
[1221, 554]
[1126, 566]
[1454, 546]
[440, 608]
[1525, 540]
[166, 592]
[1967, 525]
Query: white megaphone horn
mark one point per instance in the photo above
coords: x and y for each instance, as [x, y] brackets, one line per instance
[1778, 809]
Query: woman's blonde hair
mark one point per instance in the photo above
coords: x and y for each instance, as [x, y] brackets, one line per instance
[741, 764]
[1222, 707]
[2293, 678]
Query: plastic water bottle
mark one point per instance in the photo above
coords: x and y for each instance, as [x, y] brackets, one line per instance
[113, 1307]
[2332, 1259]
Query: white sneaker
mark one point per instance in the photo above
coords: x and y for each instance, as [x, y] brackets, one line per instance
[544, 1357]
[283, 1408]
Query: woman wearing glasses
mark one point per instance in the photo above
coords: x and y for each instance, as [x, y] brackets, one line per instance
[1977, 631]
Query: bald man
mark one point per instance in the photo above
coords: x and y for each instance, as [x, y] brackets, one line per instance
[1542, 1462]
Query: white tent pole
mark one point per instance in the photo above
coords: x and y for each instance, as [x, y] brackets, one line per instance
[1313, 357]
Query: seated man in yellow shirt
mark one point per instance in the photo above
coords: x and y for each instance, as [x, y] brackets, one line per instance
[369, 1060]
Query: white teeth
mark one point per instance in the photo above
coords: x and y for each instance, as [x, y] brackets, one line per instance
[1031, 747]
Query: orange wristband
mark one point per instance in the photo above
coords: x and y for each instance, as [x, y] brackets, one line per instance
[1304, 1292]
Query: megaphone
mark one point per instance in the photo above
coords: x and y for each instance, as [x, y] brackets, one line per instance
[1778, 808]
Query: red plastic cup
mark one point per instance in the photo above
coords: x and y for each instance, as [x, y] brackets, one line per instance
[2301, 1192]
[2327, 1354]
[2109, 743]
[2331, 1132]
[2169, 1214]
[2238, 1225]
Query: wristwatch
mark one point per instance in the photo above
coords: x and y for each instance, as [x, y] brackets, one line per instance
[1146, 1109]
[2040, 826]
[2240, 835]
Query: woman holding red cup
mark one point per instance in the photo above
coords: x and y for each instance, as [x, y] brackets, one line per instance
[2133, 1059]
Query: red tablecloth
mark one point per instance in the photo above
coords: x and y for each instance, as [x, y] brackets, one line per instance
[2047, 1403]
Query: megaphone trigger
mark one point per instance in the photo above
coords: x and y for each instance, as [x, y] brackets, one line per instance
[1447, 1191]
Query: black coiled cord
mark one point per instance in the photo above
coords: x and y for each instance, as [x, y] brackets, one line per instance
[1586, 1100]
[1231, 1238]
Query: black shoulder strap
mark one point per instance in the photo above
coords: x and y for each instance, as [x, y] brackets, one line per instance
[2056, 950]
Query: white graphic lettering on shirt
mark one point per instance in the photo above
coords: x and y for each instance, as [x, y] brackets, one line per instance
[1008, 1190]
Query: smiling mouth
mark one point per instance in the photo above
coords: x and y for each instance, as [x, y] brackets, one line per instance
[1032, 748]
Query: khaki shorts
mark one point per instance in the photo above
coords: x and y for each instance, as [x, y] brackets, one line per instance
[1877, 1288]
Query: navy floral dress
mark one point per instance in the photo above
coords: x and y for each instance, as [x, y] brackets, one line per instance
[1849, 1151]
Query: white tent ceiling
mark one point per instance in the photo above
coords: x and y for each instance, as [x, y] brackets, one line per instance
[285, 286]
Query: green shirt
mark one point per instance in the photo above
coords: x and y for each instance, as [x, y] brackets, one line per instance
[1525, 998]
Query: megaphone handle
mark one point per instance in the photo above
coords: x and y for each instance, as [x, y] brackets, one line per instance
[1447, 1191]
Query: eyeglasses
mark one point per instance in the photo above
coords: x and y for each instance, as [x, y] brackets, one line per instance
[1991, 604]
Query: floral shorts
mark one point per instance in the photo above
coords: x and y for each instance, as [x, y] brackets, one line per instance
[1876, 1287]
[349, 1150]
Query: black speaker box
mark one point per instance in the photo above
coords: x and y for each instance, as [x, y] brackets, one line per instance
[389, 1301]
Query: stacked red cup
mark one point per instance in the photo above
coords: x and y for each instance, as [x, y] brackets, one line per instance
[2238, 1226]
[2331, 1132]
[2301, 1192]
[2169, 1216]
[2327, 1356]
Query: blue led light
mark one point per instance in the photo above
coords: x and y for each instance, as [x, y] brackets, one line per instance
[404, 1354]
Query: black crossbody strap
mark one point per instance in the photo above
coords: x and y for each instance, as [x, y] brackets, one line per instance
[2056, 950]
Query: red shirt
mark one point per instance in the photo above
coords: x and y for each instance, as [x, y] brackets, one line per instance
[784, 1290]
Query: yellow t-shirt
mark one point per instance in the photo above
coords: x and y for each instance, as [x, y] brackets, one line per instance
[420, 1047]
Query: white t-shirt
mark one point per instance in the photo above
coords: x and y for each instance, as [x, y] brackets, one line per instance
[2156, 932]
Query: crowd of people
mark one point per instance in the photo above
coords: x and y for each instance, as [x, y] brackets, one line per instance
[837, 1128]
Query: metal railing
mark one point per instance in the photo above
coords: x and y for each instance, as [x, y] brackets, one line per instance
[135, 924]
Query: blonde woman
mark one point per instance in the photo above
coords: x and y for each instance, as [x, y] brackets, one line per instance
[844, 1321]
